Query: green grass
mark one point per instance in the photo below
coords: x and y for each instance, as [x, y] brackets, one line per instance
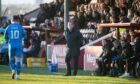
[41, 76]
[2, 40]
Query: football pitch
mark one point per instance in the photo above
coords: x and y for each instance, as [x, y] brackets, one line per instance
[2, 41]
[42, 76]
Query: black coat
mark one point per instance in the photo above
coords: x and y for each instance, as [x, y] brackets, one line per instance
[107, 53]
[73, 39]
[35, 47]
[117, 51]
[127, 51]
[137, 47]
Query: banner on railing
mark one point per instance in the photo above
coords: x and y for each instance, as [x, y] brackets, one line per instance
[90, 56]
[56, 54]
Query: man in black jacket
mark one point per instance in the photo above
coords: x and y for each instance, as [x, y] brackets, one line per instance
[74, 40]
[32, 51]
[136, 56]
[105, 57]
[127, 53]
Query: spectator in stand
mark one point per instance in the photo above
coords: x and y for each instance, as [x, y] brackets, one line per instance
[92, 6]
[133, 35]
[114, 11]
[126, 35]
[116, 58]
[124, 9]
[103, 6]
[106, 30]
[101, 31]
[82, 9]
[23, 21]
[136, 18]
[45, 24]
[136, 56]
[80, 20]
[104, 59]
[123, 18]
[96, 16]
[56, 4]
[88, 15]
[61, 6]
[114, 19]
[106, 15]
[52, 11]
[129, 2]
[130, 14]
[43, 14]
[56, 8]
[33, 49]
[127, 53]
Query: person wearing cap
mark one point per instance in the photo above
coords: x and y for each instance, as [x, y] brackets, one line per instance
[74, 40]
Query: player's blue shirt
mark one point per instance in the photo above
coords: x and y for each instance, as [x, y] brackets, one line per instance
[14, 35]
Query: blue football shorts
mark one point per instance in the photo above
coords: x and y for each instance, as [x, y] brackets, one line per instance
[15, 52]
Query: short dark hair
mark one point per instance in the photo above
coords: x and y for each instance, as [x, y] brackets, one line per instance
[15, 18]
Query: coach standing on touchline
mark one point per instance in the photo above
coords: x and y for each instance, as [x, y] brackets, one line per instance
[74, 40]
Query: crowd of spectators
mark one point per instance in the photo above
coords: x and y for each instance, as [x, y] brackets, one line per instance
[120, 57]
[88, 14]
[5, 21]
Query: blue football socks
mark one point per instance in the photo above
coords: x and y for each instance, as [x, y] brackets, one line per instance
[18, 68]
[12, 65]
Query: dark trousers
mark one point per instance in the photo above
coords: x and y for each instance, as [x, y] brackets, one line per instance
[133, 61]
[68, 60]
[122, 63]
[99, 63]
[102, 65]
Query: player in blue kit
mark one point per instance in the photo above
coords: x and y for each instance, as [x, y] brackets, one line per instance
[14, 35]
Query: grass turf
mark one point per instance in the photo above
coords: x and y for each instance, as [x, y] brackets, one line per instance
[41, 76]
[2, 40]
